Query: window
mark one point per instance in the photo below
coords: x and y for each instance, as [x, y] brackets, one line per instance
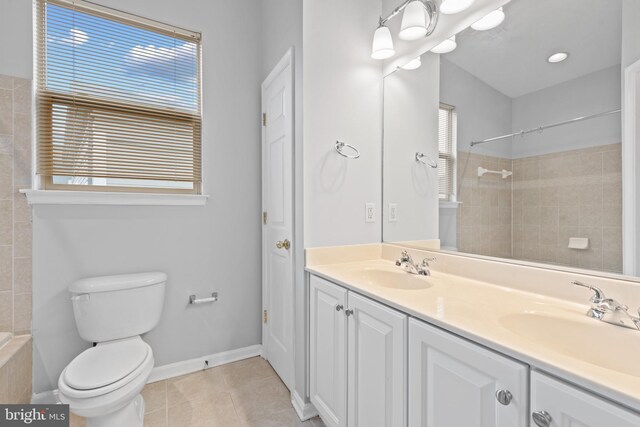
[447, 125]
[118, 101]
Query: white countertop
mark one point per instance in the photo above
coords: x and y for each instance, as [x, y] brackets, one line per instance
[549, 334]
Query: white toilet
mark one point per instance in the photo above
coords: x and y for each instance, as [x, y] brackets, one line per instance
[104, 382]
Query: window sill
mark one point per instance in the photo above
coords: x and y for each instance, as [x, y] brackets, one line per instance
[61, 197]
[449, 205]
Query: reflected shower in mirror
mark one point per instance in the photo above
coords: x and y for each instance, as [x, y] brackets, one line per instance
[524, 120]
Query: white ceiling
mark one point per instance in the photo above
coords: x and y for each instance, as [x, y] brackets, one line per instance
[512, 57]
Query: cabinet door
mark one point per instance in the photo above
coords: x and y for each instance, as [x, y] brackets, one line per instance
[453, 382]
[377, 364]
[568, 406]
[328, 351]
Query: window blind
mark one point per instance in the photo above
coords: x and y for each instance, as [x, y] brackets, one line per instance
[118, 100]
[447, 125]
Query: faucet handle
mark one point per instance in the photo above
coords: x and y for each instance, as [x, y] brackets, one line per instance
[598, 295]
[426, 261]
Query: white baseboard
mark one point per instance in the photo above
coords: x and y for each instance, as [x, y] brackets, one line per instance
[171, 370]
[304, 410]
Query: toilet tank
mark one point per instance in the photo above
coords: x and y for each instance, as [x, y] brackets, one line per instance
[112, 307]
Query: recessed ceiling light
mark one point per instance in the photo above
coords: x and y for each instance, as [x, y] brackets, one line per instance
[446, 46]
[449, 7]
[490, 20]
[557, 57]
[413, 64]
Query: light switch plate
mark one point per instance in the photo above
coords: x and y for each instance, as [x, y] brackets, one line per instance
[370, 212]
[393, 212]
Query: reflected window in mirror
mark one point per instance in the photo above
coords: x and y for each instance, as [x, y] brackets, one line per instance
[447, 146]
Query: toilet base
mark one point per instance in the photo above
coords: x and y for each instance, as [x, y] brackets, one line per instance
[131, 415]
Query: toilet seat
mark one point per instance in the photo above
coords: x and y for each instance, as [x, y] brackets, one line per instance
[106, 367]
[105, 364]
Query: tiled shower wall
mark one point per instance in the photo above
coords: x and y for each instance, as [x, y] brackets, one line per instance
[15, 215]
[484, 217]
[549, 198]
[574, 193]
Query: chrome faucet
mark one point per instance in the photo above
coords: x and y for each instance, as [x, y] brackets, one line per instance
[406, 262]
[609, 310]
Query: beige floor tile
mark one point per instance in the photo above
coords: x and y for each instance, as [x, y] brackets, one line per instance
[76, 421]
[284, 418]
[195, 386]
[156, 418]
[155, 397]
[243, 372]
[214, 410]
[261, 399]
[317, 422]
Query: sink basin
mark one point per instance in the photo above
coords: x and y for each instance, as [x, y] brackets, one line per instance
[395, 279]
[591, 341]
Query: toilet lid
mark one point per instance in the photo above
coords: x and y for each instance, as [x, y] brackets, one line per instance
[105, 363]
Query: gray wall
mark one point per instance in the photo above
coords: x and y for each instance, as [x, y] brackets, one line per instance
[342, 100]
[202, 249]
[590, 94]
[410, 126]
[483, 112]
[282, 29]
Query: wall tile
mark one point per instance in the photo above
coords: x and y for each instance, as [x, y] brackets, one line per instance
[22, 314]
[6, 111]
[6, 176]
[6, 268]
[22, 240]
[6, 219]
[6, 311]
[22, 268]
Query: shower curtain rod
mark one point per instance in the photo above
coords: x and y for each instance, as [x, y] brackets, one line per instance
[541, 128]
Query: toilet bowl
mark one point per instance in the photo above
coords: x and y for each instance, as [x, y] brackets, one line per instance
[103, 383]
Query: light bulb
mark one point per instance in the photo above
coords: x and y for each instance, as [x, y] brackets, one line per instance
[415, 21]
[446, 46]
[557, 57]
[382, 44]
[413, 64]
[490, 20]
[449, 7]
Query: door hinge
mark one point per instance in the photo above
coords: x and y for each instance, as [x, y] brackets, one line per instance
[264, 217]
[264, 119]
[264, 316]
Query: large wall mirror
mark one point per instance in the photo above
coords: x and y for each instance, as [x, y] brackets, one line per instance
[511, 145]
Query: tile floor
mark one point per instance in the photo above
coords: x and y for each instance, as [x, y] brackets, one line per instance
[247, 393]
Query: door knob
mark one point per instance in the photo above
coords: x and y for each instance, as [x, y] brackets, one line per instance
[542, 418]
[283, 244]
[504, 397]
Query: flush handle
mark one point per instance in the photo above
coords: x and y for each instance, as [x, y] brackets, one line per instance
[283, 244]
[542, 418]
[504, 397]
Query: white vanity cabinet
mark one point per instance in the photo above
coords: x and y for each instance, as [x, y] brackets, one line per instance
[358, 350]
[453, 382]
[558, 404]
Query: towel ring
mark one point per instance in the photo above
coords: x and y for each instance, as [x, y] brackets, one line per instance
[425, 160]
[340, 145]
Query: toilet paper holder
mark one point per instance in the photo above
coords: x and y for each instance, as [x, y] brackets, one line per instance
[212, 298]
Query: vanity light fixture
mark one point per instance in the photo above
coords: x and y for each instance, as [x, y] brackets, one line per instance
[557, 57]
[413, 64]
[414, 21]
[449, 7]
[419, 19]
[382, 43]
[490, 20]
[446, 46]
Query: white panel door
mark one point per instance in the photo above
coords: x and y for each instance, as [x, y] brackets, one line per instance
[277, 201]
[328, 351]
[377, 364]
[453, 382]
[568, 406]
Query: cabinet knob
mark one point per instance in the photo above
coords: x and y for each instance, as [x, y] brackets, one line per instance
[504, 397]
[542, 418]
[348, 312]
[339, 307]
